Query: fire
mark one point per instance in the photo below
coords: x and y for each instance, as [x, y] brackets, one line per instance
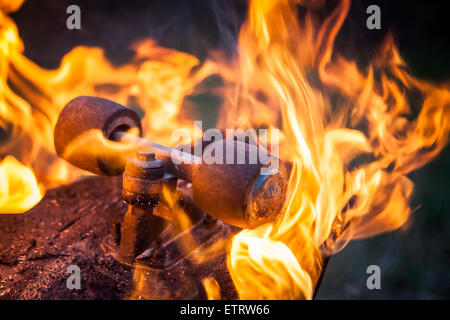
[31, 98]
[19, 189]
[334, 195]
[212, 288]
[350, 155]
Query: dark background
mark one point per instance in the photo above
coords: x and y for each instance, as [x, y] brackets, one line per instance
[414, 262]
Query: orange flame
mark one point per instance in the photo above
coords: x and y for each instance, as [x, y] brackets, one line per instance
[331, 200]
[19, 189]
[212, 288]
[31, 98]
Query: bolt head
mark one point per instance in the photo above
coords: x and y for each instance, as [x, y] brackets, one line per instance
[144, 155]
[145, 166]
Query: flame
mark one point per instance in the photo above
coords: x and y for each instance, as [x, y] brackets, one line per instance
[212, 288]
[19, 189]
[334, 196]
[31, 98]
[350, 155]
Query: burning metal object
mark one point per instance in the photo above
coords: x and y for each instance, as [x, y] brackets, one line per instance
[234, 193]
[237, 194]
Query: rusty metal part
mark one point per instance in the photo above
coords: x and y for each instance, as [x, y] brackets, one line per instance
[236, 193]
[145, 166]
[83, 114]
[143, 181]
[158, 238]
[239, 194]
[140, 229]
[176, 162]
